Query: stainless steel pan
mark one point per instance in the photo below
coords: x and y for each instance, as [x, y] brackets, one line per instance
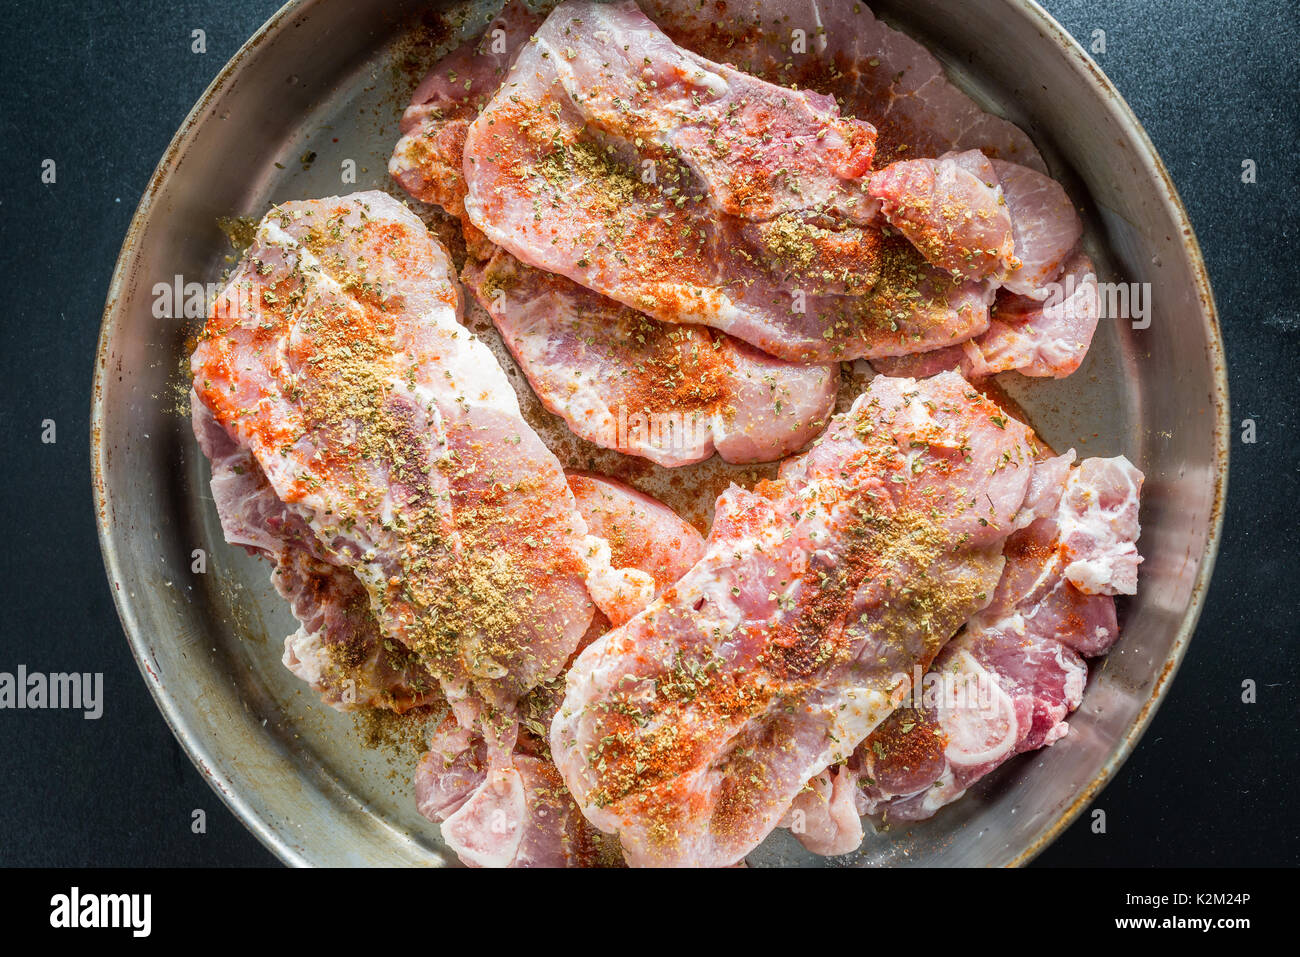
[329, 78]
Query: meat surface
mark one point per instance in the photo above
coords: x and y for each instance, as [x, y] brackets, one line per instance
[690, 730]
[683, 188]
[528, 818]
[953, 211]
[335, 356]
[1005, 685]
[490, 817]
[673, 394]
[1043, 338]
[901, 304]
[650, 545]
[877, 73]
[428, 159]
[1045, 224]
[338, 648]
[824, 815]
[978, 218]
[1099, 527]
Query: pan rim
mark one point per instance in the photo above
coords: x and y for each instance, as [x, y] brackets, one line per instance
[1086, 71]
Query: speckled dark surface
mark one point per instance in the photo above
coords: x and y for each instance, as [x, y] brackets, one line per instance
[102, 90]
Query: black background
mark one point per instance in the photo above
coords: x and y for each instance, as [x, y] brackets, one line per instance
[101, 87]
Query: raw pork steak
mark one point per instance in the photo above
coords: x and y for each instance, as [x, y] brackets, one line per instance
[336, 358]
[691, 729]
[670, 393]
[681, 187]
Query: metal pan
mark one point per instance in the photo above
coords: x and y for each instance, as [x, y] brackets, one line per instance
[323, 82]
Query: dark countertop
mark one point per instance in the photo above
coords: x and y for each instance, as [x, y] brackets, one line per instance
[101, 88]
